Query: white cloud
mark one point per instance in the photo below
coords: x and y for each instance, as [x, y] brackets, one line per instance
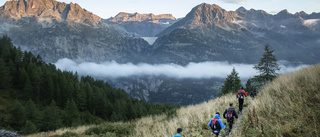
[236, 1]
[192, 70]
[282, 26]
[311, 22]
[275, 11]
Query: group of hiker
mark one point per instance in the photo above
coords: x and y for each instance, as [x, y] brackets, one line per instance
[216, 123]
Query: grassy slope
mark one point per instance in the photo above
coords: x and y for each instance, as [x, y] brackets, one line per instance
[289, 106]
[286, 107]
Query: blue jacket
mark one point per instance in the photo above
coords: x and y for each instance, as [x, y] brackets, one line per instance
[177, 135]
[220, 122]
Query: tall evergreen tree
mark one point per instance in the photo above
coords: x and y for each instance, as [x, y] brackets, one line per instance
[4, 75]
[267, 66]
[72, 116]
[51, 117]
[29, 128]
[231, 84]
[18, 116]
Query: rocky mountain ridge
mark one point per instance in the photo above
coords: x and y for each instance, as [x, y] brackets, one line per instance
[239, 36]
[125, 17]
[140, 25]
[47, 9]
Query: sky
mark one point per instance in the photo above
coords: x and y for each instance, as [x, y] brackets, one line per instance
[180, 8]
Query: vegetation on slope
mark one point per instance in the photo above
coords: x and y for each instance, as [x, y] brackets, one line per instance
[288, 106]
[285, 107]
[36, 96]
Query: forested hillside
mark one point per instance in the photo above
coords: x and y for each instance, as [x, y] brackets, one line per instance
[36, 96]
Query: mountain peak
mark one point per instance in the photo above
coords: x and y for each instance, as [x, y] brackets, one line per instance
[124, 17]
[241, 9]
[208, 14]
[284, 14]
[49, 9]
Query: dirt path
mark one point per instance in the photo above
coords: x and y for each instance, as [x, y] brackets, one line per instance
[236, 125]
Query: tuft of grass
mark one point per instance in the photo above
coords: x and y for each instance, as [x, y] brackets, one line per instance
[288, 106]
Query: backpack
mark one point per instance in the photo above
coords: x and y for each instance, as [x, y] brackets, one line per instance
[240, 95]
[215, 124]
[229, 114]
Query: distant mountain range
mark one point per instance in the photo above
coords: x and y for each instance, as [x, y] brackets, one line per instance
[209, 32]
[141, 25]
[57, 30]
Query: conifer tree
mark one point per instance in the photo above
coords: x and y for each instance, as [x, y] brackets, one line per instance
[18, 116]
[71, 117]
[4, 75]
[31, 111]
[267, 66]
[51, 117]
[29, 128]
[231, 84]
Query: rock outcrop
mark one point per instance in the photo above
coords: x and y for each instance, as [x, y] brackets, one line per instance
[47, 9]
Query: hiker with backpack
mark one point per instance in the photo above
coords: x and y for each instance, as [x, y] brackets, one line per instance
[216, 124]
[253, 94]
[228, 114]
[240, 95]
[179, 133]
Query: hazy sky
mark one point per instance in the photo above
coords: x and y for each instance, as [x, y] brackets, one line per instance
[179, 8]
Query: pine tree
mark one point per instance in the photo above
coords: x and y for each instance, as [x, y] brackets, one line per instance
[267, 66]
[18, 117]
[231, 84]
[51, 117]
[71, 117]
[29, 128]
[5, 78]
[31, 111]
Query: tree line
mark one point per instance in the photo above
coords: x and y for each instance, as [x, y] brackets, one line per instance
[267, 68]
[36, 96]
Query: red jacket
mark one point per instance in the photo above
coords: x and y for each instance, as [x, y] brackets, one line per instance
[244, 93]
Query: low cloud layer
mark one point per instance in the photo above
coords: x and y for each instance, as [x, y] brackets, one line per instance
[311, 22]
[192, 70]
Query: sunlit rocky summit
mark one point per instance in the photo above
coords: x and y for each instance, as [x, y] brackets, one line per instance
[47, 9]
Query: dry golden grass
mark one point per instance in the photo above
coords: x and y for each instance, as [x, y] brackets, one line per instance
[79, 130]
[192, 119]
[288, 106]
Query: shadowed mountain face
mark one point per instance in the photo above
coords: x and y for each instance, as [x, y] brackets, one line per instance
[57, 30]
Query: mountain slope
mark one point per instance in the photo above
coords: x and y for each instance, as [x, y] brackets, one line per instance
[285, 107]
[238, 36]
[56, 30]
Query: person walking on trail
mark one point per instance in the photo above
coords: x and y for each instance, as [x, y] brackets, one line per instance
[179, 132]
[240, 95]
[229, 114]
[216, 124]
[253, 94]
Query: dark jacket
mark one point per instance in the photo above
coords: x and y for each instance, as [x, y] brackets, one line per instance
[220, 122]
[253, 93]
[234, 114]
